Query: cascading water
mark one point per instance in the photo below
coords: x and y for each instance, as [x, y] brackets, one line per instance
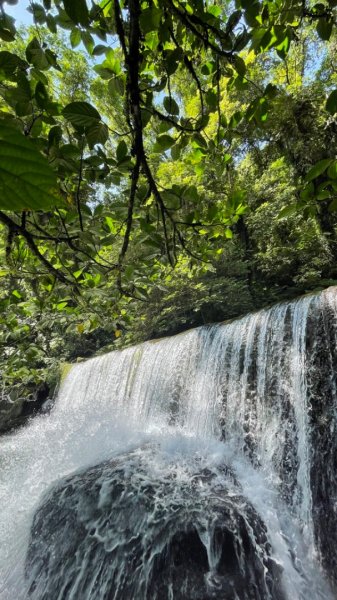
[195, 467]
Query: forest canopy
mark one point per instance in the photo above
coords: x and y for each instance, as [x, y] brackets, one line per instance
[163, 163]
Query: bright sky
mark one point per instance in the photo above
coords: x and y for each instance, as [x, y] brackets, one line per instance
[19, 12]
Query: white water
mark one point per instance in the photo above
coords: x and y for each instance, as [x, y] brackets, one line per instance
[234, 394]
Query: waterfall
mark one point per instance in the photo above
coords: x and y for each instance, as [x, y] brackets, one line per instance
[193, 467]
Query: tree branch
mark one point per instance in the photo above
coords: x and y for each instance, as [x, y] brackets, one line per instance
[15, 228]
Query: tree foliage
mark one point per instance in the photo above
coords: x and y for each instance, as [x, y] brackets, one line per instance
[136, 137]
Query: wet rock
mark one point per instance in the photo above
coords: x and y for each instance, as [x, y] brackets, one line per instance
[116, 531]
[15, 411]
[322, 395]
[10, 412]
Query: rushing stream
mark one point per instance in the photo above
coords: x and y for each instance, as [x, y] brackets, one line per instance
[195, 467]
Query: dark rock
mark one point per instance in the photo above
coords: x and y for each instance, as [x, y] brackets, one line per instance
[113, 533]
[15, 411]
[322, 394]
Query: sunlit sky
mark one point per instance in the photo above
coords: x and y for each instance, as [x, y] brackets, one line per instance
[19, 12]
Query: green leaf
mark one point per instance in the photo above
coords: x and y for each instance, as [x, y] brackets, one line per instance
[163, 142]
[240, 65]
[97, 134]
[283, 48]
[199, 141]
[10, 63]
[36, 56]
[75, 37]
[146, 116]
[324, 28]
[212, 100]
[332, 170]
[77, 10]
[287, 211]
[41, 95]
[170, 105]
[307, 192]
[333, 206]
[235, 119]
[176, 152]
[331, 103]
[38, 13]
[323, 195]
[214, 10]
[81, 114]
[150, 19]
[171, 201]
[61, 305]
[55, 136]
[99, 50]
[271, 91]
[172, 58]
[121, 151]
[318, 169]
[51, 23]
[117, 86]
[6, 35]
[26, 180]
[88, 41]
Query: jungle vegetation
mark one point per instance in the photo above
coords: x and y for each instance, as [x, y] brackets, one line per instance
[163, 163]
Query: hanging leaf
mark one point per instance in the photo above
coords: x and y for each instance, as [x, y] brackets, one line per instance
[121, 151]
[26, 180]
[117, 86]
[318, 169]
[51, 23]
[199, 141]
[77, 10]
[331, 103]
[240, 65]
[150, 19]
[75, 37]
[324, 28]
[163, 142]
[36, 56]
[99, 50]
[41, 95]
[88, 41]
[97, 134]
[171, 106]
[287, 211]
[38, 12]
[11, 63]
[81, 114]
[332, 170]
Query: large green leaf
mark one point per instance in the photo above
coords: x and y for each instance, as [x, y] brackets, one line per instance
[121, 151]
[332, 170]
[10, 64]
[324, 28]
[318, 169]
[77, 10]
[163, 142]
[331, 103]
[36, 55]
[171, 106]
[150, 19]
[81, 114]
[26, 180]
[97, 134]
[75, 37]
